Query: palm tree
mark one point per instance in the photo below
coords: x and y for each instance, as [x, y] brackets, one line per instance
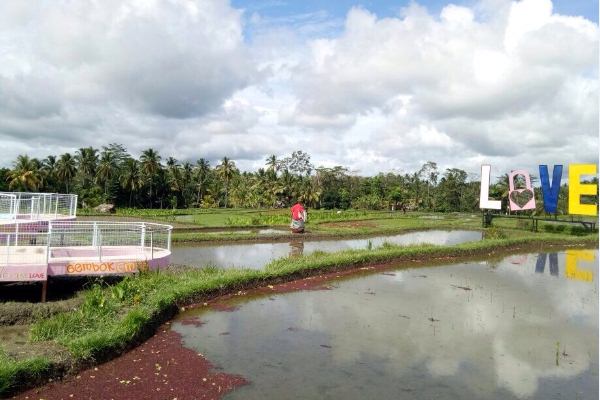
[226, 170]
[150, 160]
[106, 169]
[272, 165]
[48, 172]
[131, 177]
[25, 175]
[201, 172]
[174, 179]
[187, 172]
[310, 192]
[87, 160]
[65, 169]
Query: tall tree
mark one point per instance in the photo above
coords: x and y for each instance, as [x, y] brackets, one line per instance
[272, 165]
[66, 169]
[25, 176]
[86, 159]
[201, 172]
[48, 173]
[107, 168]
[226, 170]
[150, 163]
[429, 174]
[131, 177]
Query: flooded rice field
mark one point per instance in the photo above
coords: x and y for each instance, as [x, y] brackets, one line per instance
[525, 327]
[257, 255]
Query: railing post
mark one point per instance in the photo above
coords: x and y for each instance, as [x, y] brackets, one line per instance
[74, 202]
[48, 241]
[7, 248]
[143, 239]
[169, 239]
[95, 234]
[100, 246]
[16, 233]
[17, 206]
[152, 245]
[56, 208]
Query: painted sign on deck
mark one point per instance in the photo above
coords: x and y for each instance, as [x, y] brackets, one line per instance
[108, 267]
[20, 273]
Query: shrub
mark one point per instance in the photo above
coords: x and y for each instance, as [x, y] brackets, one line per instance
[494, 233]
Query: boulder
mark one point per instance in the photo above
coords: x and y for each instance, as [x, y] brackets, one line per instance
[105, 208]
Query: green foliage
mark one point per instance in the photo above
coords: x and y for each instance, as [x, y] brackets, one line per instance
[157, 182]
[369, 202]
[13, 372]
[388, 245]
[493, 233]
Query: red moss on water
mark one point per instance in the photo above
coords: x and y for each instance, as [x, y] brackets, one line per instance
[192, 321]
[223, 307]
[161, 368]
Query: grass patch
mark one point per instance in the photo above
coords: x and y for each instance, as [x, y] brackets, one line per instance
[13, 313]
[13, 372]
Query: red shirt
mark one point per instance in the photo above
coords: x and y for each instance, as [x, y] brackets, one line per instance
[297, 211]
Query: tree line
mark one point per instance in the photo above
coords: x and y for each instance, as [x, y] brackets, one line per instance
[112, 175]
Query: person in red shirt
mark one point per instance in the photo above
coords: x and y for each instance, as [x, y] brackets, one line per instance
[298, 218]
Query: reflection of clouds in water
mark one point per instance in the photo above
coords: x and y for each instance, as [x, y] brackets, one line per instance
[398, 276]
[257, 255]
[386, 318]
[571, 301]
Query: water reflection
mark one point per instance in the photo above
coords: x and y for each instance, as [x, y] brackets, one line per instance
[257, 255]
[296, 248]
[485, 331]
[540, 264]
[577, 264]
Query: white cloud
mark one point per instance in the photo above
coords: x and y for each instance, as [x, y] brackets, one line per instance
[510, 83]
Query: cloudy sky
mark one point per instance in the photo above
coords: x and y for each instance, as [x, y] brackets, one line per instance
[375, 85]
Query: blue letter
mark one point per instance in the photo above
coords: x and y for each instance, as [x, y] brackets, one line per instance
[550, 192]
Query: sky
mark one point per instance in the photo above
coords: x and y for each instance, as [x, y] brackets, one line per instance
[377, 86]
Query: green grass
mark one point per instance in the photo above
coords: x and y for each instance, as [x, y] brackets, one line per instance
[111, 319]
[12, 313]
[330, 224]
[13, 372]
[219, 217]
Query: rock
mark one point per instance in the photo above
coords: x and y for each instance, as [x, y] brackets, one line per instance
[105, 208]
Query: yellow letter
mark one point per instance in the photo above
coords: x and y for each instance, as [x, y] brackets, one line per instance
[576, 189]
[572, 272]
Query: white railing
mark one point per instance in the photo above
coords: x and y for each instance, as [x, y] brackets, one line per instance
[38, 243]
[33, 206]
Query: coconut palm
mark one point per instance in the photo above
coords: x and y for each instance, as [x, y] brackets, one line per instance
[150, 165]
[48, 172]
[131, 177]
[25, 175]
[187, 172]
[201, 172]
[226, 170]
[107, 168]
[272, 165]
[86, 159]
[66, 169]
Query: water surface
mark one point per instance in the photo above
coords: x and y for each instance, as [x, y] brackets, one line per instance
[257, 255]
[525, 327]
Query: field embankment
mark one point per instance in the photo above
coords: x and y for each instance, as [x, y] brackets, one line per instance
[110, 320]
